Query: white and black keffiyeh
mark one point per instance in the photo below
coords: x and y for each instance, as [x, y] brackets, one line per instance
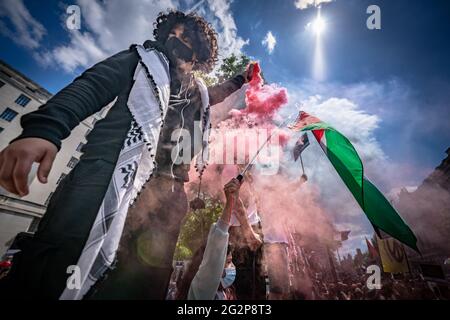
[148, 102]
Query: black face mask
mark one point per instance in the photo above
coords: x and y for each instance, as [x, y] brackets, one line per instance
[179, 50]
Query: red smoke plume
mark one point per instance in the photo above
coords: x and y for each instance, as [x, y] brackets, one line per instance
[262, 100]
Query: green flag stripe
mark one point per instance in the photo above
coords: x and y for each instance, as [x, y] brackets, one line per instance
[381, 213]
[342, 154]
[348, 165]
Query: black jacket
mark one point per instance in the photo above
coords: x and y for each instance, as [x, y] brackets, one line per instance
[88, 94]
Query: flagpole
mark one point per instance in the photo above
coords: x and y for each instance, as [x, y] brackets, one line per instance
[301, 161]
[241, 175]
[332, 267]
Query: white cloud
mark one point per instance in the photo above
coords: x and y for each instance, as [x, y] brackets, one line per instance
[108, 27]
[83, 50]
[354, 110]
[350, 109]
[193, 5]
[357, 111]
[304, 4]
[269, 42]
[25, 30]
[219, 14]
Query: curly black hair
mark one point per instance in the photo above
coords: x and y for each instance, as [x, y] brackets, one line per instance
[202, 34]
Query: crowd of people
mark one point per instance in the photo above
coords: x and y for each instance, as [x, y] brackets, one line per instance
[215, 271]
[407, 288]
[306, 279]
[352, 288]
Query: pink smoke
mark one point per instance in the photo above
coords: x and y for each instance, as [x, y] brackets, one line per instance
[246, 125]
[286, 204]
[262, 100]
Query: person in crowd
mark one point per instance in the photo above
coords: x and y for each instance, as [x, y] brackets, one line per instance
[127, 162]
[211, 272]
[247, 237]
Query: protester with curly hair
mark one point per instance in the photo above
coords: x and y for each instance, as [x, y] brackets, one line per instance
[131, 158]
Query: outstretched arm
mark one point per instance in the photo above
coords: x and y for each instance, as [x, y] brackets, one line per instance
[251, 237]
[221, 91]
[86, 95]
[207, 279]
[44, 129]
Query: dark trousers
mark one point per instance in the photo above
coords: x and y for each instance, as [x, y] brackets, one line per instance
[145, 255]
[39, 271]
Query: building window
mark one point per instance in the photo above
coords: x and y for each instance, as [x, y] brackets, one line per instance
[62, 176]
[80, 146]
[2, 84]
[48, 199]
[22, 100]
[8, 114]
[72, 163]
[1, 129]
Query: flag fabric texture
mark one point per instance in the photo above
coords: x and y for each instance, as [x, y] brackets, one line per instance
[393, 256]
[300, 145]
[349, 166]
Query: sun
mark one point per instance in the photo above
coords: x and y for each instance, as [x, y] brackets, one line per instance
[318, 25]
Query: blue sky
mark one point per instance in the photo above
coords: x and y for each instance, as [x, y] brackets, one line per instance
[412, 47]
[393, 82]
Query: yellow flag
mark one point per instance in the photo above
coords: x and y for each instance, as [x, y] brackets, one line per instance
[393, 256]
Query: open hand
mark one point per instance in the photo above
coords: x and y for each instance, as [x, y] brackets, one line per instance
[16, 161]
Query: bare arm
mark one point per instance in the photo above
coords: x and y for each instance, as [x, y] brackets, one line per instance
[231, 190]
[252, 238]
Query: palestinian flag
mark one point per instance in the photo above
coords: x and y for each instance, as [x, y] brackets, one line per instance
[349, 166]
[300, 146]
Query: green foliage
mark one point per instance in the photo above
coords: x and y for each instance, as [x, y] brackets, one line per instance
[182, 252]
[209, 80]
[196, 227]
[232, 66]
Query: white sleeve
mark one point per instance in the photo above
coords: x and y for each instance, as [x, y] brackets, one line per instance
[207, 279]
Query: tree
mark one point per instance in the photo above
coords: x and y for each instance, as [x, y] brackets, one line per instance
[195, 228]
[210, 80]
[232, 66]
